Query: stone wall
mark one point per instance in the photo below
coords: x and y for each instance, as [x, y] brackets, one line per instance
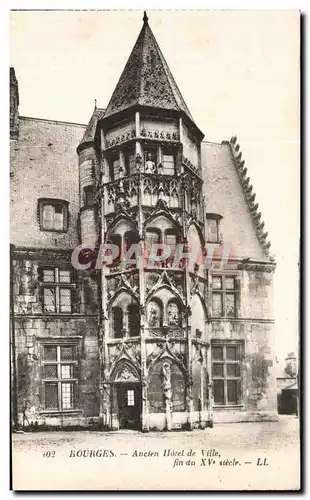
[30, 334]
[254, 328]
[190, 148]
[34, 328]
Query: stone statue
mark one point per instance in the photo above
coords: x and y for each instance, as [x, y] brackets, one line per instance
[173, 314]
[150, 167]
[154, 317]
[166, 371]
[160, 169]
[121, 171]
[138, 162]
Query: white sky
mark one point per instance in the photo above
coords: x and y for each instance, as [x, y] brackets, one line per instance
[238, 72]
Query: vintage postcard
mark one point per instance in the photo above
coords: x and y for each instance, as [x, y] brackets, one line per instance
[154, 230]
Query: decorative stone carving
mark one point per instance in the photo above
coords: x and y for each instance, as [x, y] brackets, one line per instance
[154, 318]
[149, 166]
[167, 388]
[189, 164]
[267, 268]
[160, 169]
[173, 314]
[126, 375]
[144, 389]
[139, 161]
[118, 139]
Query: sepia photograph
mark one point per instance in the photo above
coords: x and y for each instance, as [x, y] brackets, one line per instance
[154, 250]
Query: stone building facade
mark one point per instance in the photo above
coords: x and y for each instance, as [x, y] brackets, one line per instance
[150, 343]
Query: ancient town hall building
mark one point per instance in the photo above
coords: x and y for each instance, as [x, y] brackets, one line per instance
[150, 343]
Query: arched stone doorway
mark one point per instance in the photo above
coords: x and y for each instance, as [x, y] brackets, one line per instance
[126, 396]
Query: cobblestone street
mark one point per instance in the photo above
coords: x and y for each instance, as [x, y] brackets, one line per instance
[128, 459]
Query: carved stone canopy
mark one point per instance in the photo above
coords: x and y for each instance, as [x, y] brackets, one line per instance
[126, 373]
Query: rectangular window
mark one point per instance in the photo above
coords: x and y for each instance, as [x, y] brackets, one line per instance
[49, 299]
[64, 276]
[130, 164]
[130, 397]
[59, 378]
[116, 168]
[151, 238]
[66, 371]
[49, 275]
[57, 287]
[212, 230]
[89, 195]
[216, 283]
[65, 300]
[50, 371]
[67, 396]
[51, 396]
[217, 305]
[224, 295]
[168, 163]
[53, 214]
[226, 373]
[50, 354]
[171, 241]
[230, 304]
[129, 160]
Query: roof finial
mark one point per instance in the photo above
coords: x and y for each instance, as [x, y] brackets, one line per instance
[95, 103]
[145, 18]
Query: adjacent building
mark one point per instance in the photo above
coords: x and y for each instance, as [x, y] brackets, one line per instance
[152, 343]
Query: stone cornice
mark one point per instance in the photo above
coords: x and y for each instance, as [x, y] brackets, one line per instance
[43, 254]
[214, 319]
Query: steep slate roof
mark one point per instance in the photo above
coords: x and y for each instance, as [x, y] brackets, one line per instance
[89, 134]
[250, 196]
[146, 79]
[229, 192]
[37, 171]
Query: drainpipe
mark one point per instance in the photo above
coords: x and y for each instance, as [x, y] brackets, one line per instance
[13, 345]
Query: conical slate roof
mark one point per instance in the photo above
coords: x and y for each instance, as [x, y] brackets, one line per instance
[90, 131]
[146, 79]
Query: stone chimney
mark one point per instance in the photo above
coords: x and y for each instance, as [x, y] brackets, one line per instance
[14, 103]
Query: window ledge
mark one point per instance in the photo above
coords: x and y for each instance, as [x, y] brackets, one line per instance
[59, 412]
[42, 229]
[225, 318]
[228, 407]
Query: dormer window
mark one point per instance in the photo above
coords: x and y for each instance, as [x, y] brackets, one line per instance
[213, 228]
[53, 214]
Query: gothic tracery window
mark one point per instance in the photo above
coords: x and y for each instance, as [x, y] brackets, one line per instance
[116, 240]
[130, 238]
[118, 322]
[170, 239]
[133, 320]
